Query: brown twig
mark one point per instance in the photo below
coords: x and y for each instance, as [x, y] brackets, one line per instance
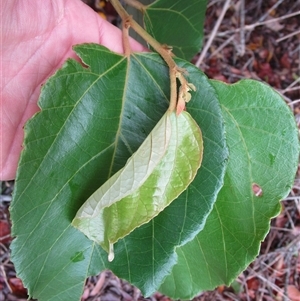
[136, 4]
[242, 26]
[252, 26]
[165, 52]
[288, 36]
[5, 278]
[213, 34]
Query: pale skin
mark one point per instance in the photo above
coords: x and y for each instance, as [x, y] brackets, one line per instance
[36, 38]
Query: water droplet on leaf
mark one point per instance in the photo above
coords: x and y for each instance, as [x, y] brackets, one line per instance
[111, 254]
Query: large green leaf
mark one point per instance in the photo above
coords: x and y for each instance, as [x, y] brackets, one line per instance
[144, 251]
[156, 174]
[178, 24]
[263, 145]
[72, 147]
[94, 117]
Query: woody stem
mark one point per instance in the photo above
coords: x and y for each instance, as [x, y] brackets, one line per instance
[164, 52]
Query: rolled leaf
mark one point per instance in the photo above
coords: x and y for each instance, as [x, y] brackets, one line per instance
[156, 174]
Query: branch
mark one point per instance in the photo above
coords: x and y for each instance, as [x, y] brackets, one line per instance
[166, 53]
[136, 4]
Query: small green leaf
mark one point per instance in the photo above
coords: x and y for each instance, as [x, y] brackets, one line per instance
[179, 24]
[263, 145]
[162, 167]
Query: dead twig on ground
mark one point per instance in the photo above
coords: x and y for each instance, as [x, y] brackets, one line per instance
[213, 34]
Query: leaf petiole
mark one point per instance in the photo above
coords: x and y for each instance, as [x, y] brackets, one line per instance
[177, 102]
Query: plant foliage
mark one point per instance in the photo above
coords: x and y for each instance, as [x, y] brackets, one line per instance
[106, 155]
[156, 174]
[257, 177]
[181, 27]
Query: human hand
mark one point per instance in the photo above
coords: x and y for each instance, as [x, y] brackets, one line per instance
[37, 37]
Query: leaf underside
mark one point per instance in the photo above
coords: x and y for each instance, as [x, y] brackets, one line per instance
[263, 145]
[156, 174]
[92, 119]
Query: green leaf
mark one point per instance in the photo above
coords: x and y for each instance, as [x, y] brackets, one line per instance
[156, 174]
[78, 140]
[93, 118]
[263, 145]
[146, 256]
[178, 24]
